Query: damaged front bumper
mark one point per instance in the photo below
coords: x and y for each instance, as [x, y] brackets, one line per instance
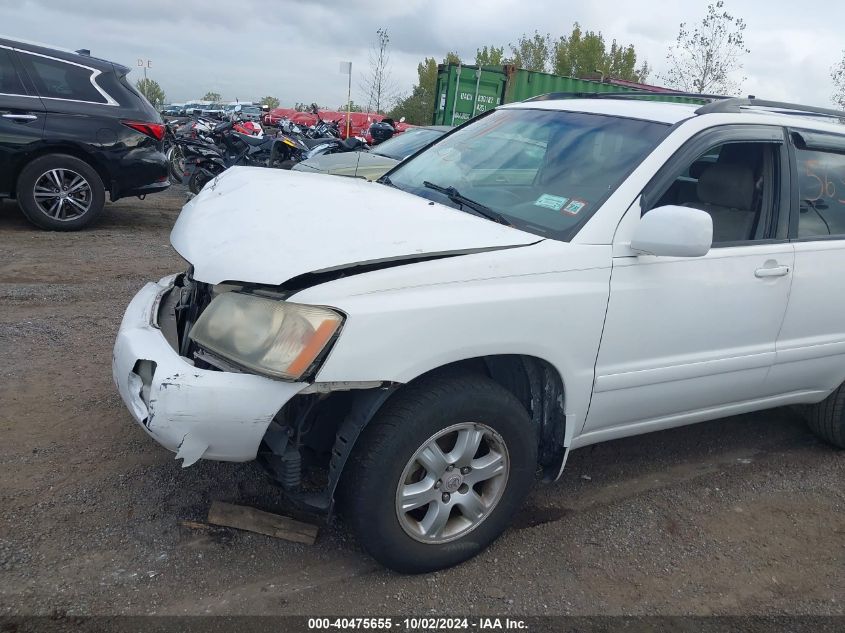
[196, 413]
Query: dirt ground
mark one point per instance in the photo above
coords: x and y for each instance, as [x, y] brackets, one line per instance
[739, 516]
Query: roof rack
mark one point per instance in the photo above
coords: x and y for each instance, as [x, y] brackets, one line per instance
[736, 104]
[632, 94]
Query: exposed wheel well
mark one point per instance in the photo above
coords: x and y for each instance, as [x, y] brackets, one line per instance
[323, 428]
[70, 150]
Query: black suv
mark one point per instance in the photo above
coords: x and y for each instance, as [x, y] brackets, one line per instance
[71, 128]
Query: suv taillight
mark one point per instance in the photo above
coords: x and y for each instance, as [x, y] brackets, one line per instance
[153, 130]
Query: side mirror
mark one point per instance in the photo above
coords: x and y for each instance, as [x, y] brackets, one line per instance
[673, 231]
[402, 120]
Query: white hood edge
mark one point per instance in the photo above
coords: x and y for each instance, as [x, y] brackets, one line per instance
[266, 226]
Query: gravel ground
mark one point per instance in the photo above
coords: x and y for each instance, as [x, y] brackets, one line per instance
[739, 516]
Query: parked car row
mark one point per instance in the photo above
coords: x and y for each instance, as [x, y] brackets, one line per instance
[252, 111]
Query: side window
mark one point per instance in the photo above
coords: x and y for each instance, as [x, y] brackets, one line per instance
[737, 184]
[55, 79]
[10, 83]
[821, 192]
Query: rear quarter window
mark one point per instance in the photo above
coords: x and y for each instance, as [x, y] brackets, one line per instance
[55, 79]
[821, 194]
[10, 83]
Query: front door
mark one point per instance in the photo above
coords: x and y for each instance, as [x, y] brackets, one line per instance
[689, 338]
[22, 117]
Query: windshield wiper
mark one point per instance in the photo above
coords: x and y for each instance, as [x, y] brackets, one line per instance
[480, 209]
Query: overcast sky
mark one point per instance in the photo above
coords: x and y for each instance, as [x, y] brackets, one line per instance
[291, 48]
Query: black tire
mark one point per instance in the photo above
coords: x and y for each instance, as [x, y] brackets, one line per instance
[198, 180]
[370, 485]
[94, 198]
[827, 418]
[174, 161]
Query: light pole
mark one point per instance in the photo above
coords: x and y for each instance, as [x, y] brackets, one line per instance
[346, 69]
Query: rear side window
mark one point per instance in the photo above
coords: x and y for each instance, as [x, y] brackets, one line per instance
[56, 79]
[821, 184]
[10, 83]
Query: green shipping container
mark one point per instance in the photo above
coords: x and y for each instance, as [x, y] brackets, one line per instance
[466, 91]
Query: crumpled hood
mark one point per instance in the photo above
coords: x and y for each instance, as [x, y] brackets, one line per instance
[266, 226]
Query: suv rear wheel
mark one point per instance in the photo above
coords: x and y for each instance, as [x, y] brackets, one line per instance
[60, 192]
[439, 473]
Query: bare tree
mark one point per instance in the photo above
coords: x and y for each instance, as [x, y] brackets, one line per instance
[378, 85]
[706, 58]
[837, 73]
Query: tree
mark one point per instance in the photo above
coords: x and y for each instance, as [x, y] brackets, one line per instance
[270, 102]
[151, 90]
[492, 56]
[306, 107]
[533, 52]
[837, 73]
[581, 54]
[451, 58]
[378, 85]
[214, 97]
[706, 58]
[418, 107]
[353, 107]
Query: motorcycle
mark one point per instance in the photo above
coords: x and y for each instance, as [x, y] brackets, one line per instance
[380, 131]
[205, 162]
[176, 134]
[250, 128]
[289, 128]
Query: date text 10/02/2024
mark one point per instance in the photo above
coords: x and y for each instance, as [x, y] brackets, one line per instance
[414, 624]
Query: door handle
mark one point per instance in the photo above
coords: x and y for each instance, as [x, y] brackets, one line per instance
[20, 117]
[774, 271]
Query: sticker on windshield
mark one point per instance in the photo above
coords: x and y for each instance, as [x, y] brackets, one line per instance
[574, 207]
[551, 202]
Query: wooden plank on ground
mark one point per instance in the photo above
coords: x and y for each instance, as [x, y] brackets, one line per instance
[253, 520]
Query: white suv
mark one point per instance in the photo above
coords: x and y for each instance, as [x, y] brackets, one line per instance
[552, 274]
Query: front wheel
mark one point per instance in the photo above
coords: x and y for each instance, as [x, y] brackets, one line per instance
[827, 418]
[440, 472]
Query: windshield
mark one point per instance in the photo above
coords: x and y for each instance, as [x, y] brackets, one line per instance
[403, 145]
[545, 171]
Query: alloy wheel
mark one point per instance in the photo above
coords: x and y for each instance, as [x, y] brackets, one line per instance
[62, 194]
[452, 483]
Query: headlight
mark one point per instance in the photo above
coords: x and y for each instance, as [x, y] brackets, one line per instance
[271, 337]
